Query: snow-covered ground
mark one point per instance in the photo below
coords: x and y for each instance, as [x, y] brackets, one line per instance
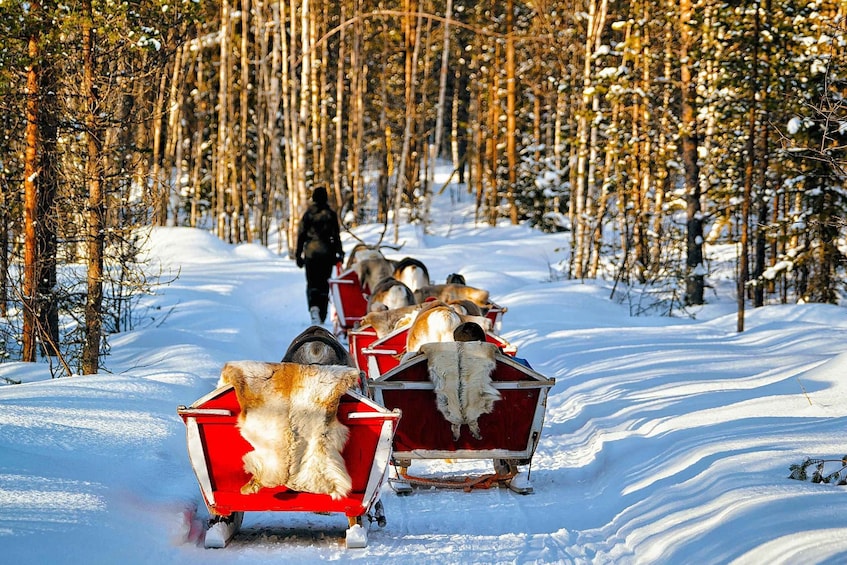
[666, 440]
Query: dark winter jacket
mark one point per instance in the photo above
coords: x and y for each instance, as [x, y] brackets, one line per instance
[318, 235]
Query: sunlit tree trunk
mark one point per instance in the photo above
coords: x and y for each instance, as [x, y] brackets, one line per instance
[412, 44]
[171, 159]
[694, 277]
[276, 174]
[337, 180]
[31, 155]
[318, 106]
[492, 143]
[197, 146]
[241, 217]
[304, 123]
[586, 141]
[288, 125]
[96, 228]
[441, 105]
[222, 147]
[158, 179]
[356, 114]
[511, 127]
[258, 209]
[749, 168]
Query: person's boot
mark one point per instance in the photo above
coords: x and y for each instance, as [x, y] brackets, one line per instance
[315, 312]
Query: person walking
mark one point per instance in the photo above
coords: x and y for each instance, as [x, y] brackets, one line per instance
[318, 249]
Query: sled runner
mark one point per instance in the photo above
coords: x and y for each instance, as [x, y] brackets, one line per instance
[508, 432]
[216, 450]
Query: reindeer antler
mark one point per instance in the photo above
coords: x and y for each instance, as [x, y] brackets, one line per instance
[378, 245]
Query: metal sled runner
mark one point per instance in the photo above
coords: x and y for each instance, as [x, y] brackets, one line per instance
[216, 449]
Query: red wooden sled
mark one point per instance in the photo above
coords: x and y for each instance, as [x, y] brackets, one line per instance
[216, 449]
[509, 434]
[358, 340]
[348, 299]
[385, 353]
[350, 302]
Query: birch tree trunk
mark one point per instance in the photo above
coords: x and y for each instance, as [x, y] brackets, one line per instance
[222, 146]
[337, 183]
[170, 157]
[287, 53]
[440, 107]
[511, 127]
[411, 78]
[586, 141]
[493, 197]
[241, 217]
[258, 208]
[317, 108]
[197, 145]
[355, 127]
[159, 190]
[276, 175]
[299, 191]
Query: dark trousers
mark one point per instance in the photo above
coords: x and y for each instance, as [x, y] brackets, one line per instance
[318, 271]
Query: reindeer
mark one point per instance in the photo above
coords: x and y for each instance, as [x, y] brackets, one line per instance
[455, 278]
[389, 294]
[384, 322]
[370, 264]
[412, 272]
[435, 324]
[454, 292]
[372, 269]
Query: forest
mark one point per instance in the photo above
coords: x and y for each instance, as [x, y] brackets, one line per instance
[643, 131]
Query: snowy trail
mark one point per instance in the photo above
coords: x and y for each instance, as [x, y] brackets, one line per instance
[666, 440]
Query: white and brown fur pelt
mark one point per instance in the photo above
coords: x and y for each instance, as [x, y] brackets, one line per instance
[461, 375]
[288, 415]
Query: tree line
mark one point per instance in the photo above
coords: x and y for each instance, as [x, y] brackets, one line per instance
[641, 131]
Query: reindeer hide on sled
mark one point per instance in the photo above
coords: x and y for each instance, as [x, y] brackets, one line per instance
[288, 415]
[461, 375]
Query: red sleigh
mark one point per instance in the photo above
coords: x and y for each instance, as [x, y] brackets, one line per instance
[350, 302]
[376, 356]
[216, 449]
[508, 435]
